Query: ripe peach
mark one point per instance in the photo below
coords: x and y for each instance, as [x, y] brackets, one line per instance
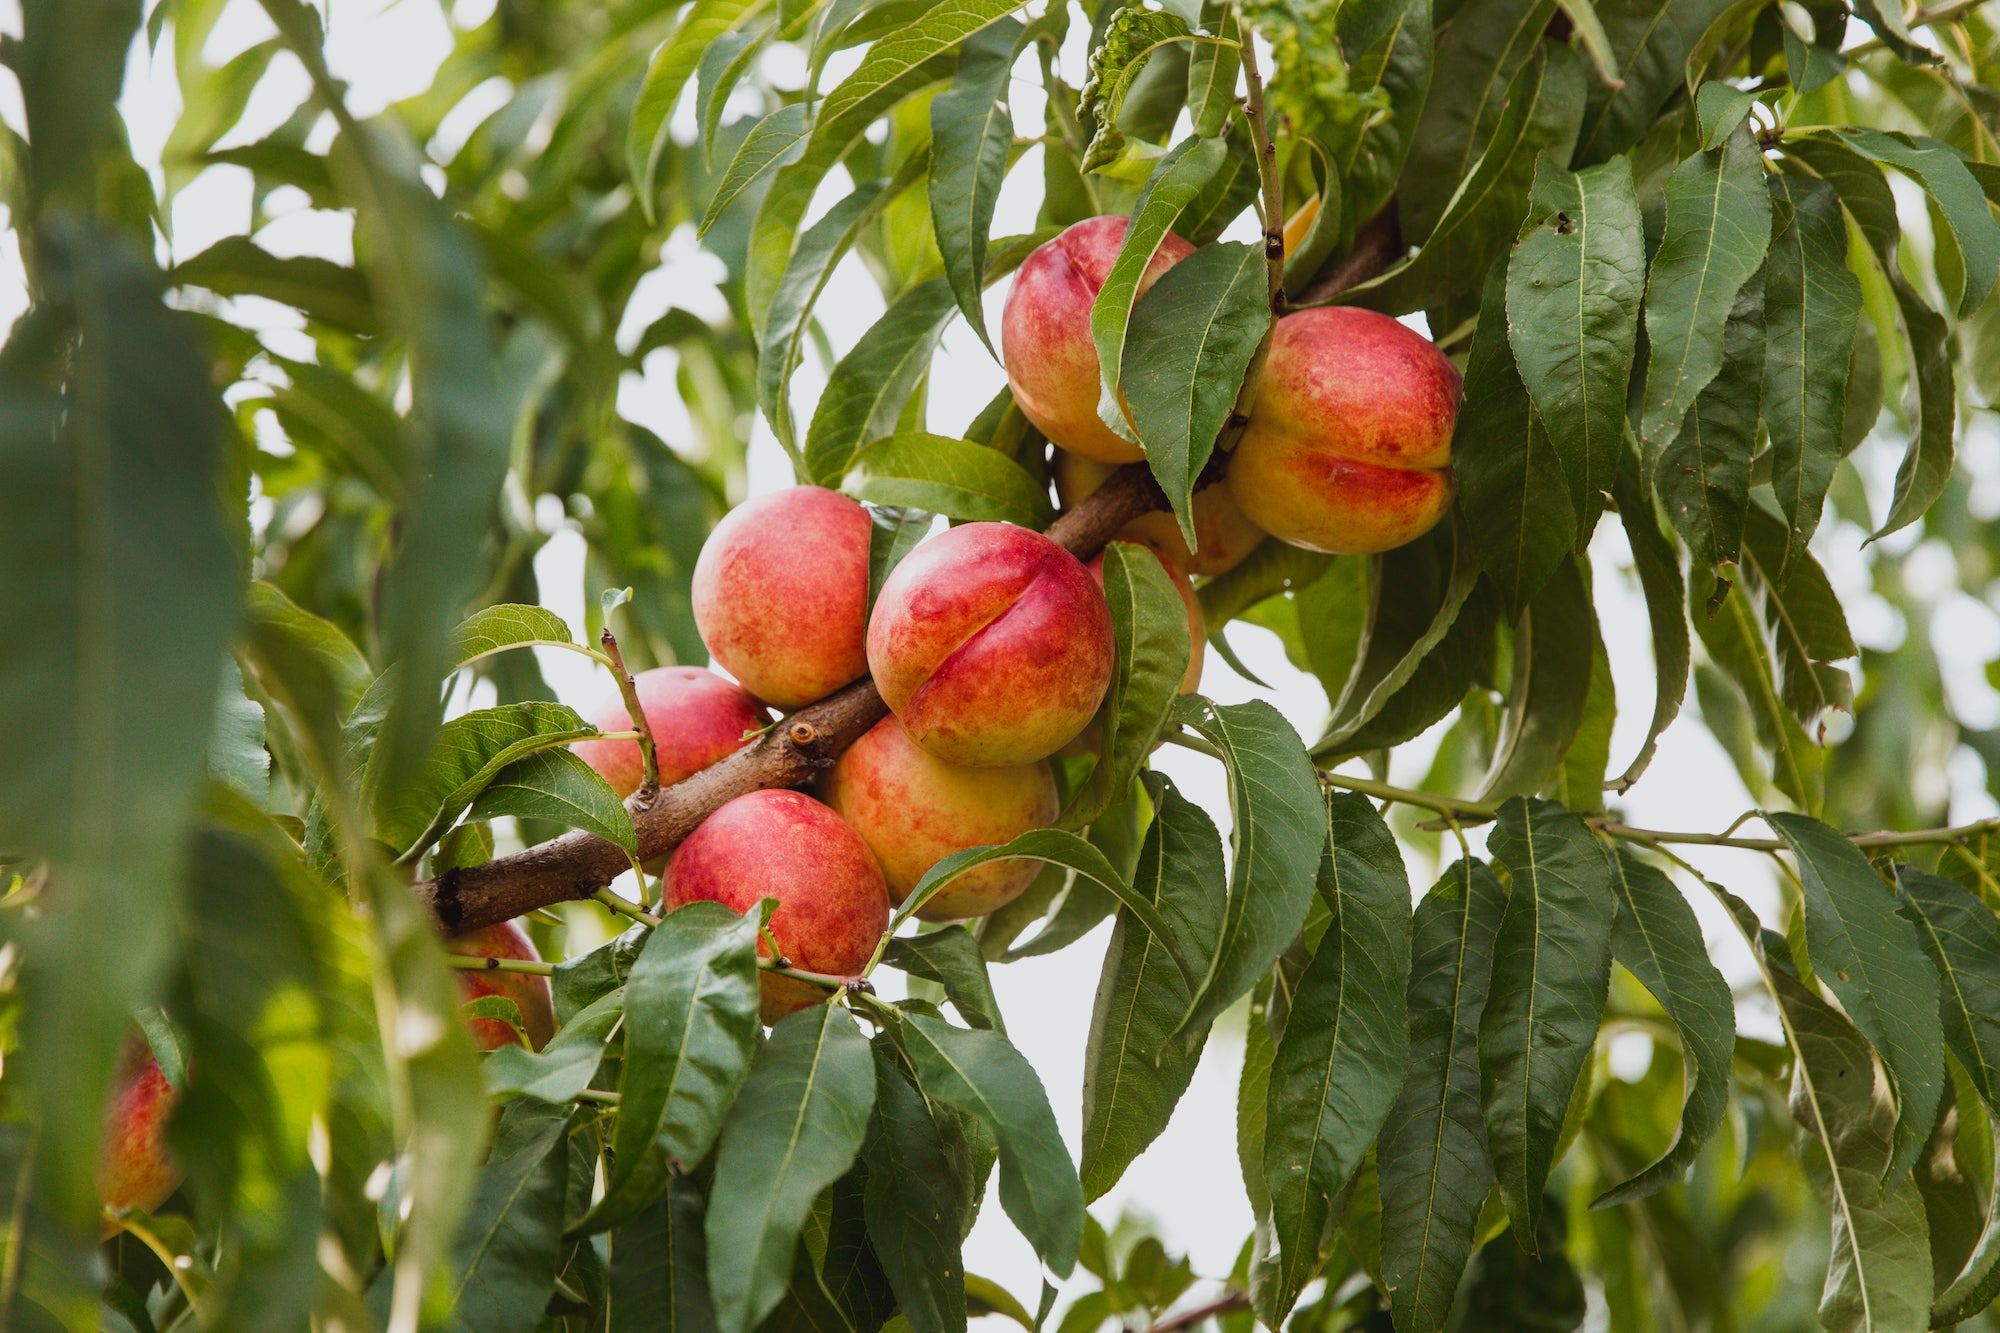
[832, 903]
[1045, 333]
[528, 991]
[1197, 627]
[992, 644]
[1221, 531]
[696, 717]
[1349, 445]
[781, 594]
[134, 1169]
[914, 809]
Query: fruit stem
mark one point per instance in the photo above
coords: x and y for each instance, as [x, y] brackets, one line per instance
[649, 756]
[474, 963]
[625, 907]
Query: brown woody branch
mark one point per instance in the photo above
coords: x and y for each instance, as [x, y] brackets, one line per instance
[576, 865]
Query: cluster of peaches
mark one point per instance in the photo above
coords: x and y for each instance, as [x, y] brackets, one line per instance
[991, 644]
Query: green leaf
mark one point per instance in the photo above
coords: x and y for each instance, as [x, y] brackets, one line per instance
[1346, 1049]
[957, 478]
[951, 958]
[555, 784]
[1432, 1161]
[979, 1074]
[563, 1068]
[1517, 1285]
[690, 1031]
[1213, 70]
[1278, 828]
[1960, 934]
[1719, 108]
[1927, 464]
[1945, 177]
[919, 1195]
[1272, 568]
[471, 751]
[1191, 342]
[659, 1266]
[1659, 941]
[1718, 229]
[1579, 780]
[1132, 37]
[1149, 625]
[721, 69]
[1573, 291]
[1551, 973]
[795, 1128]
[1803, 618]
[864, 397]
[1589, 30]
[503, 1262]
[1550, 685]
[498, 628]
[1702, 475]
[332, 293]
[1658, 567]
[1868, 955]
[1134, 1074]
[1175, 181]
[972, 133]
[1811, 304]
[666, 74]
[773, 142]
[1252, 1097]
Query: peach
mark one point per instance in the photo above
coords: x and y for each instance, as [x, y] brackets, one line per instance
[1223, 536]
[134, 1169]
[992, 644]
[1045, 333]
[1197, 627]
[696, 717]
[1349, 444]
[781, 594]
[528, 991]
[914, 809]
[833, 906]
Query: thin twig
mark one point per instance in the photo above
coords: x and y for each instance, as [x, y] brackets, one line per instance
[649, 755]
[476, 963]
[1227, 1303]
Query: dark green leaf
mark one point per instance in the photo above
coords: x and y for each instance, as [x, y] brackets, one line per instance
[1945, 177]
[951, 958]
[1734, 639]
[1432, 1161]
[1962, 937]
[1134, 35]
[1868, 955]
[864, 396]
[659, 1267]
[1702, 474]
[1808, 630]
[893, 532]
[556, 785]
[1346, 1048]
[1551, 972]
[471, 752]
[323, 290]
[1519, 1286]
[919, 1190]
[563, 1068]
[957, 478]
[667, 73]
[503, 1263]
[972, 132]
[1550, 685]
[1658, 567]
[794, 1130]
[775, 141]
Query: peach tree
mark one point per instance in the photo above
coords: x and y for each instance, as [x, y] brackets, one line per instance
[341, 988]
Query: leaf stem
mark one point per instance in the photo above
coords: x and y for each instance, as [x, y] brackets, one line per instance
[465, 963]
[625, 907]
[649, 755]
[1447, 806]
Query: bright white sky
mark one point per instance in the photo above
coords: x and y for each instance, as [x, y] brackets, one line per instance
[1188, 1181]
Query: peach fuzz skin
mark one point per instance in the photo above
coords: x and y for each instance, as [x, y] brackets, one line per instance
[1349, 445]
[1197, 627]
[529, 992]
[1224, 536]
[781, 594]
[1045, 333]
[696, 717]
[914, 809]
[832, 904]
[135, 1170]
[992, 645]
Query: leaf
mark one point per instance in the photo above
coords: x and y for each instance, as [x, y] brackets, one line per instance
[1811, 305]
[1134, 1074]
[951, 958]
[690, 1031]
[659, 1266]
[836, 1281]
[470, 752]
[1550, 685]
[566, 1066]
[1734, 639]
[1252, 1099]
[1278, 827]
[1345, 1052]
[1519, 512]
[957, 478]
[773, 142]
[1589, 30]
[1432, 1161]
[972, 132]
[236, 753]
[1927, 464]
[120, 587]
[503, 1262]
[1516, 1285]
[893, 532]
[1579, 780]
[794, 1129]
[1803, 618]
[555, 784]
[919, 1192]
[1551, 973]
[1869, 957]
[1131, 38]
[1718, 229]
[1573, 291]
[331, 293]
[1658, 567]
[1149, 626]
[1192, 339]
[1177, 178]
[864, 397]
[1719, 108]
[1213, 70]
[1702, 477]
[720, 70]
[666, 74]
[981, 1075]
[1659, 941]
[1948, 181]
[1962, 938]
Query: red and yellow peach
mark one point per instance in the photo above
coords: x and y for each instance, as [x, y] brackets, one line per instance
[1223, 535]
[528, 991]
[696, 718]
[135, 1171]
